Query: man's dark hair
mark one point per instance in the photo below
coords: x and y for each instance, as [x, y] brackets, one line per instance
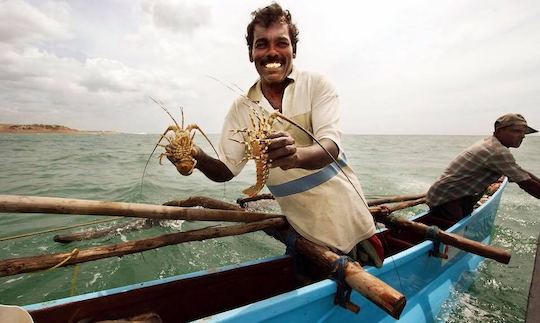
[267, 16]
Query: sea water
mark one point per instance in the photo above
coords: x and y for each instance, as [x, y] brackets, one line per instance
[110, 167]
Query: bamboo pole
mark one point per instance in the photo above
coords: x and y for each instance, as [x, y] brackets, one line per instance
[395, 198]
[381, 210]
[472, 246]
[30, 264]
[35, 204]
[193, 201]
[374, 289]
[373, 202]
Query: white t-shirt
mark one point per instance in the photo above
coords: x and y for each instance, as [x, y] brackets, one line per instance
[321, 205]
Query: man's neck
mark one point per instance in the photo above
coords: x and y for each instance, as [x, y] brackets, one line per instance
[274, 93]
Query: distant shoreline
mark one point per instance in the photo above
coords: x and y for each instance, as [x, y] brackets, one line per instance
[44, 128]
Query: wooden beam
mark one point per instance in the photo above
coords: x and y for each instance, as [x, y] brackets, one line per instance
[472, 246]
[56, 205]
[395, 198]
[371, 287]
[30, 264]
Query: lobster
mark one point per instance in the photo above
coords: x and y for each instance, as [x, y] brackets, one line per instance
[180, 147]
[255, 144]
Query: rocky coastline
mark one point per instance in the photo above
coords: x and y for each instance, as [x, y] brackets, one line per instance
[43, 128]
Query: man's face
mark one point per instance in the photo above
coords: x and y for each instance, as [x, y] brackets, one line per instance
[272, 52]
[511, 136]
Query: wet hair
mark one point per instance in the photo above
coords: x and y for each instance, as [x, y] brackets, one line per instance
[267, 16]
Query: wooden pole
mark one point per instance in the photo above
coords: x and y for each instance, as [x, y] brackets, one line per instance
[205, 202]
[30, 264]
[472, 246]
[55, 205]
[386, 210]
[396, 198]
[374, 289]
[373, 202]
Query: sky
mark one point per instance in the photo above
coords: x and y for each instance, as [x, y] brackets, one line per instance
[400, 67]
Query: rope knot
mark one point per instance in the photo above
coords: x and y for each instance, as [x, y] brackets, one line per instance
[343, 293]
[432, 233]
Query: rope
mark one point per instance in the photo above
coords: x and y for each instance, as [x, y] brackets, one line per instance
[343, 293]
[57, 229]
[74, 278]
[432, 233]
[71, 255]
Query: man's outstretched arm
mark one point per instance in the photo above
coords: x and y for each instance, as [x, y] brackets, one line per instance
[531, 186]
[211, 167]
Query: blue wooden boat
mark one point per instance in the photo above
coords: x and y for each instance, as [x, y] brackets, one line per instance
[267, 290]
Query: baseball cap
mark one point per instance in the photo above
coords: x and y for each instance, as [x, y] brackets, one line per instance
[513, 119]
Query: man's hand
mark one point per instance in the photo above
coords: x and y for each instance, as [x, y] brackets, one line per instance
[281, 151]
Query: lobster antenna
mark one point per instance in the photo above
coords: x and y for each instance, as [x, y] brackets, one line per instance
[239, 91]
[165, 109]
[182, 113]
[207, 139]
[150, 157]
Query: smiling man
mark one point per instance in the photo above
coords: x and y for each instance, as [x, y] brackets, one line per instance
[464, 181]
[323, 202]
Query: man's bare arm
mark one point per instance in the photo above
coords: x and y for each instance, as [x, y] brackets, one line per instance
[211, 167]
[534, 177]
[531, 186]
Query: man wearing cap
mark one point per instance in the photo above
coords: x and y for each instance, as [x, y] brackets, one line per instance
[464, 181]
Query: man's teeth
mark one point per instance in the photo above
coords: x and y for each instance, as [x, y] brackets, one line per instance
[273, 65]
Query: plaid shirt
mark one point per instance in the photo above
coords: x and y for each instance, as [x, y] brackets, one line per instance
[472, 171]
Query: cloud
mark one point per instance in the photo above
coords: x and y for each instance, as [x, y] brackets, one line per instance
[177, 16]
[21, 23]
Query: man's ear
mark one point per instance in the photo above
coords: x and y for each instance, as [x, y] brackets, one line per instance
[250, 57]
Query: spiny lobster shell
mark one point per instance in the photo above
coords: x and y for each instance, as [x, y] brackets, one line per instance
[181, 149]
[255, 143]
